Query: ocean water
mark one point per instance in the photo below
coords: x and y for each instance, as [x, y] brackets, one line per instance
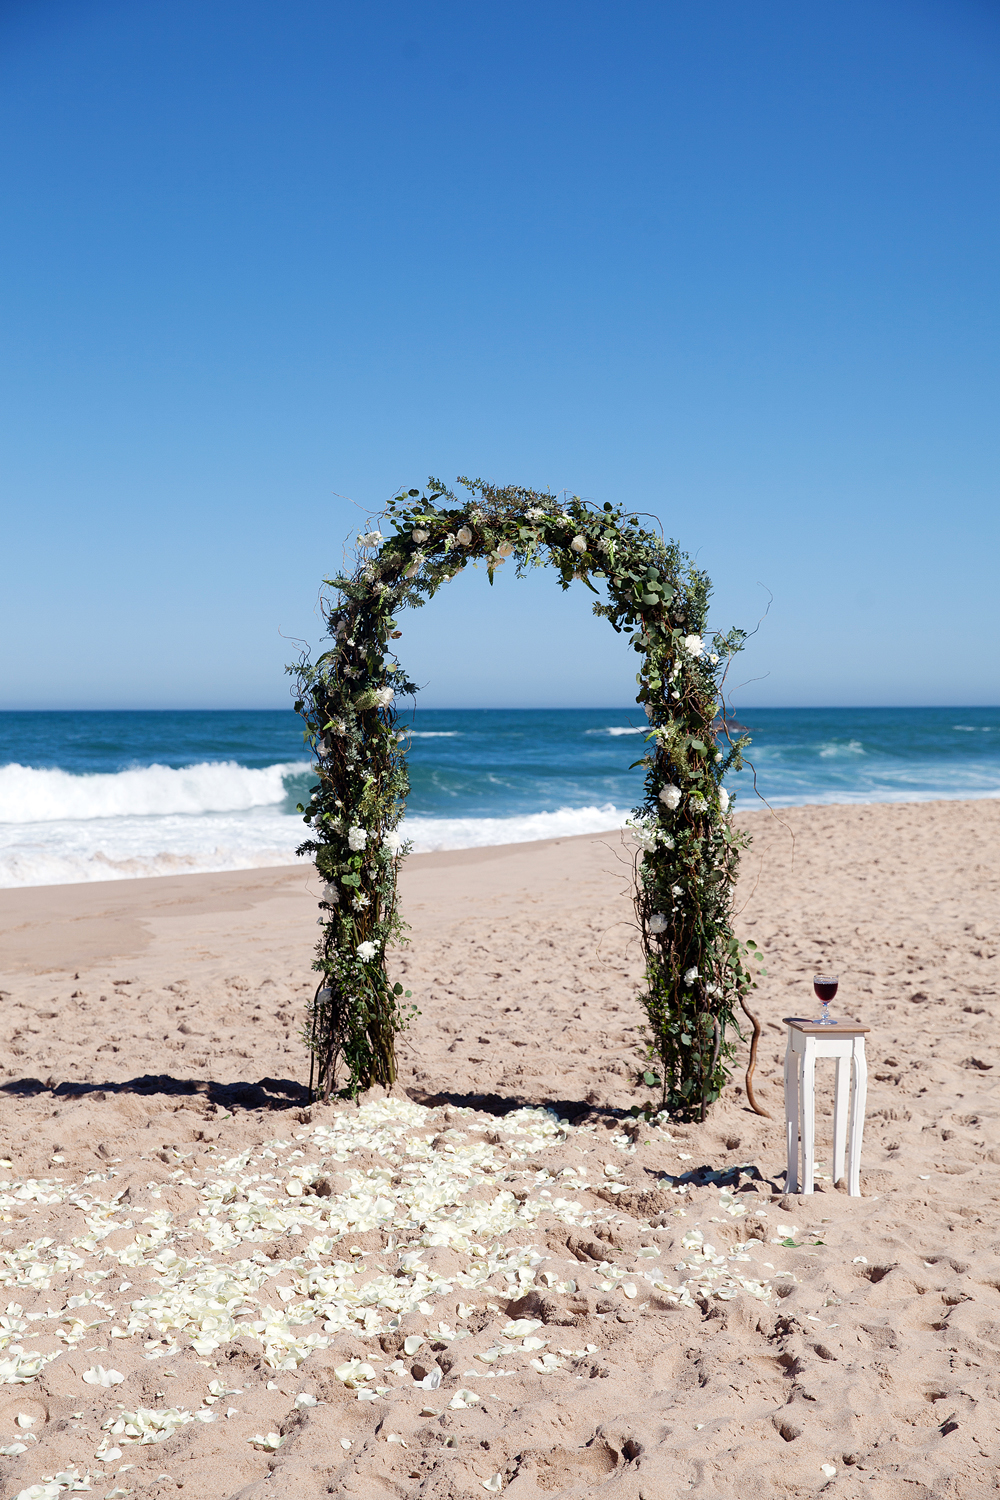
[106, 796]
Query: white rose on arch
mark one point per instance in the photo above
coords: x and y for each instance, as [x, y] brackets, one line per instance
[419, 535]
[691, 977]
[670, 796]
[463, 536]
[366, 952]
[416, 563]
[357, 838]
[331, 895]
[393, 841]
[578, 544]
[658, 923]
[694, 644]
[723, 799]
[384, 696]
[646, 838]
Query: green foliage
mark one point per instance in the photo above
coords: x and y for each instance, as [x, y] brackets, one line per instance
[687, 848]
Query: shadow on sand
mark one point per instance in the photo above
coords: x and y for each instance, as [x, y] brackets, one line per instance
[286, 1093]
[268, 1093]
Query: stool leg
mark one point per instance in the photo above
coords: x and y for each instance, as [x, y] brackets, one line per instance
[792, 1119]
[807, 1106]
[859, 1095]
[841, 1105]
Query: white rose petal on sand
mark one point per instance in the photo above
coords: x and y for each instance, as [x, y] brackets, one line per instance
[100, 1376]
[463, 1399]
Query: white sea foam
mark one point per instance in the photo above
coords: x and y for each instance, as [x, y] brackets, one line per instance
[853, 747]
[32, 795]
[473, 833]
[64, 852]
[57, 828]
[615, 729]
[432, 734]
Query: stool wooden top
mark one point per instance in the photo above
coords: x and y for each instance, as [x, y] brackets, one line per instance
[843, 1027]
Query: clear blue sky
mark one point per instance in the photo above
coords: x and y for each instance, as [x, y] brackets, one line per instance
[732, 264]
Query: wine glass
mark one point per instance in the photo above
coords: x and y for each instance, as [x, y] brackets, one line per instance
[825, 986]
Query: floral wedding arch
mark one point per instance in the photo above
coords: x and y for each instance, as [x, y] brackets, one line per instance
[687, 849]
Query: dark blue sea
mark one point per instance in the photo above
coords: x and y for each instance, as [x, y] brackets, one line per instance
[102, 796]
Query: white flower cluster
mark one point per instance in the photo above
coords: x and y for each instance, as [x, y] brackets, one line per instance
[357, 838]
[670, 796]
[393, 841]
[371, 539]
[384, 696]
[649, 835]
[645, 835]
[366, 951]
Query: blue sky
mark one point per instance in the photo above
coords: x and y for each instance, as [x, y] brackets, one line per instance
[735, 265]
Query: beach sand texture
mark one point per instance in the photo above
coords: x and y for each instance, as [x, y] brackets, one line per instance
[592, 1309]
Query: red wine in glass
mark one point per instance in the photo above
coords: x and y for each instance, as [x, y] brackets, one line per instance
[825, 986]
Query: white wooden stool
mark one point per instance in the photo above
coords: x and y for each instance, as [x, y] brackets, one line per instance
[806, 1041]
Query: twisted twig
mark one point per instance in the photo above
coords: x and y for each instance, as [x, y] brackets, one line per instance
[753, 1062]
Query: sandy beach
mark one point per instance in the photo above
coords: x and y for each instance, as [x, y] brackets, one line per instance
[492, 1279]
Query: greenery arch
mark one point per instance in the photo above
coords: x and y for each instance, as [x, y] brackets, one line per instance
[687, 851]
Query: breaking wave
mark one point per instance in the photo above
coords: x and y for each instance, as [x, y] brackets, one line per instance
[31, 795]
